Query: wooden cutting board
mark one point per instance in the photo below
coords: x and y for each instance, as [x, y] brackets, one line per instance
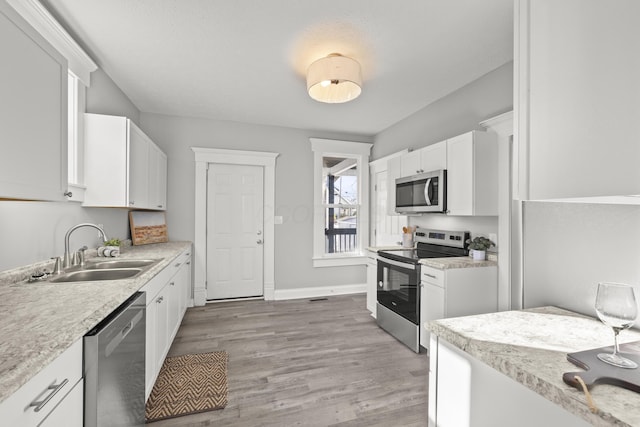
[148, 227]
[599, 372]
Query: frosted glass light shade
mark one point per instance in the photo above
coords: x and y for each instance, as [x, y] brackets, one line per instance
[334, 79]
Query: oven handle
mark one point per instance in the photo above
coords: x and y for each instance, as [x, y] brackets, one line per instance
[398, 263]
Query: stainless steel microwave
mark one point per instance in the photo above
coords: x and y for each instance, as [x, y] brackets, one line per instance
[425, 192]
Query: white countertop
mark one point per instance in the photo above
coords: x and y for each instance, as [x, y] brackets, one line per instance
[530, 347]
[39, 321]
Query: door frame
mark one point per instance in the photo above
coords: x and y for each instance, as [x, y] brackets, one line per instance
[204, 157]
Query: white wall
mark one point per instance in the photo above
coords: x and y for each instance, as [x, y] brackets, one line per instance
[570, 247]
[294, 189]
[455, 114]
[34, 231]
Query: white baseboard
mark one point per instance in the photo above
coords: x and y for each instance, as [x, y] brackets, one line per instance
[319, 291]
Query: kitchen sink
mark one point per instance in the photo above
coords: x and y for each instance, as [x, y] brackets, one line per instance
[119, 263]
[98, 274]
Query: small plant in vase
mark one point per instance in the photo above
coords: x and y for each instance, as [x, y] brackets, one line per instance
[478, 246]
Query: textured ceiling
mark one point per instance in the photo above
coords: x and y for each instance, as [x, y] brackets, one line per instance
[245, 60]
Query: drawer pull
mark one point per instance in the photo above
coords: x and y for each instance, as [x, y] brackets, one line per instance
[177, 265]
[39, 404]
[159, 300]
[430, 275]
[172, 283]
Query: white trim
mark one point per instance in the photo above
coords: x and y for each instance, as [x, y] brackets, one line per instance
[44, 23]
[204, 156]
[319, 291]
[340, 261]
[502, 125]
[359, 151]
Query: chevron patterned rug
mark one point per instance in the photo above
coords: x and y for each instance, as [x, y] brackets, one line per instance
[189, 384]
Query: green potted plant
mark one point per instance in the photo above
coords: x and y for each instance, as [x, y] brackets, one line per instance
[478, 247]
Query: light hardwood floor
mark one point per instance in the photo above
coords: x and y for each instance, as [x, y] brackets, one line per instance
[306, 363]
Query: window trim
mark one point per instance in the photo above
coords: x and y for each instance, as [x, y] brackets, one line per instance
[338, 148]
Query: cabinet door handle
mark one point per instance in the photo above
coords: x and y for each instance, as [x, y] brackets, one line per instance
[39, 404]
[159, 300]
[172, 283]
[188, 262]
[159, 206]
[430, 275]
[177, 265]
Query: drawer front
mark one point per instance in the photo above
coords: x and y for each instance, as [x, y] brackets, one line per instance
[32, 402]
[432, 275]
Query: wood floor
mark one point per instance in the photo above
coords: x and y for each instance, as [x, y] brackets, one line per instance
[306, 363]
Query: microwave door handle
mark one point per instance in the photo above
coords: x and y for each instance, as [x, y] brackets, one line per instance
[427, 192]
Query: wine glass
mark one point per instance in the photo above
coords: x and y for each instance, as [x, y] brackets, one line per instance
[617, 308]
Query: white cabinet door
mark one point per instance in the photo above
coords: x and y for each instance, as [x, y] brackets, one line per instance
[372, 278]
[426, 159]
[434, 157]
[459, 175]
[33, 113]
[432, 307]
[157, 178]
[393, 172]
[411, 163]
[162, 327]
[138, 168]
[472, 174]
[150, 342]
[70, 411]
[123, 167]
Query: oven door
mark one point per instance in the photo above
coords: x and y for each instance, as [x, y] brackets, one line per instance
[398, 288]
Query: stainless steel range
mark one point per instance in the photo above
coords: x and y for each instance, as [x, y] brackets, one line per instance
[398, 295]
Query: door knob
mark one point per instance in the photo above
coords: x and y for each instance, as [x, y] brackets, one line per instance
[259, 241]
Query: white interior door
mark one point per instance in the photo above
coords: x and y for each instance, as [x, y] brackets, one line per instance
[234, 231]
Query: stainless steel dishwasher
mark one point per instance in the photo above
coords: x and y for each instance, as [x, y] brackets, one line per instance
[114, 367]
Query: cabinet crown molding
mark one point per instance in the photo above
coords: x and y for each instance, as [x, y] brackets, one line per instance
[39, 17]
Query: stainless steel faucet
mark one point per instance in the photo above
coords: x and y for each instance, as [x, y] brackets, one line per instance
[67, 256]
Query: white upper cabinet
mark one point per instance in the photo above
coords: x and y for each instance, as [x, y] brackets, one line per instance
[123, 167]
[577, 98]
[33, 113]
[472, 174]
[394, 166]
[430, 158]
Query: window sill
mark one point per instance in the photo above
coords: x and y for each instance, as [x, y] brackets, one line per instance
[339, 261]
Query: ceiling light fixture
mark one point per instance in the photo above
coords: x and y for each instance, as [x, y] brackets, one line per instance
[334, 79]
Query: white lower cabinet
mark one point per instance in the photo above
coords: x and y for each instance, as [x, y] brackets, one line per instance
[455, 292]
[463, 391]
[54, 394]
[372, 279]
[168, 296]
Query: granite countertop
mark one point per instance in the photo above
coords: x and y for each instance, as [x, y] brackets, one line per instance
[39, 321]
[530, 347]
[456, 262]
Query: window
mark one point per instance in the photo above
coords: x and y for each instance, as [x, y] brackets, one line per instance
[341, 213]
